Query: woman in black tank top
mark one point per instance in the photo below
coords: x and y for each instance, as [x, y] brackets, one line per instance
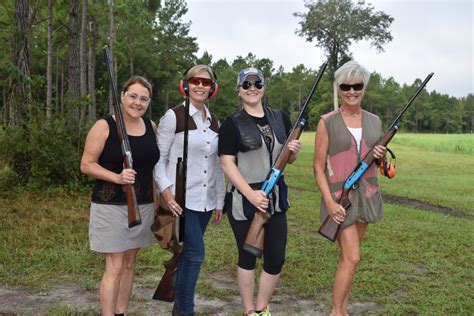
[108, 226]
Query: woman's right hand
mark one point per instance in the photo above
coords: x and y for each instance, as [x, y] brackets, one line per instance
[127, 176]
[171, 203]
[259, 200]
[336, 212]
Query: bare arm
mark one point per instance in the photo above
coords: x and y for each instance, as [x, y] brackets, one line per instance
[93, 148]
[256, 197]
[335, 210]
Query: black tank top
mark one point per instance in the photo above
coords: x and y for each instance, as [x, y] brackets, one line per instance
[145, 154]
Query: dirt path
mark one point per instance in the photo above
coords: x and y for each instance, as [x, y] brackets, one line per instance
[84, 302]
[422, 205]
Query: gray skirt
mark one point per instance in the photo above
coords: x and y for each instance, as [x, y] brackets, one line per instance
[109, 232]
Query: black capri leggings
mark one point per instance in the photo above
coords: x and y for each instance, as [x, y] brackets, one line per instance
[274, 244]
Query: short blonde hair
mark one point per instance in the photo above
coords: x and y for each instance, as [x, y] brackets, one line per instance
[350, 71]
[196, 70]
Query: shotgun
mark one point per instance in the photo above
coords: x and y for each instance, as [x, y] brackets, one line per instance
[255, 235]
[329, 227]
[165, 289]
[134, 218]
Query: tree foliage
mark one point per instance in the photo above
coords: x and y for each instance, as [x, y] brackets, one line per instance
[152, 40]
[335, 24]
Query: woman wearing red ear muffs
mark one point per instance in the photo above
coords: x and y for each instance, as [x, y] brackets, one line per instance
[204, 176]
[343, 137]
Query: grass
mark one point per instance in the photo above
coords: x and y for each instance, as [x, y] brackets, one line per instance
[413, 263]
[452, 143]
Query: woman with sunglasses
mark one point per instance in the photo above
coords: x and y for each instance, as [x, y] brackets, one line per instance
[108, 226]
[249, 143]
[343, 138]
[204, 177]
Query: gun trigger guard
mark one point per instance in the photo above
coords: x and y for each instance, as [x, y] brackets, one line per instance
[355, 186]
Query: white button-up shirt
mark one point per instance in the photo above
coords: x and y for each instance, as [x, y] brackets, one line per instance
[205, 178]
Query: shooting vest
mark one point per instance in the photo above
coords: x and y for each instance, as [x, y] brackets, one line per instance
[179, 111]
[254, 161]
[343, 158]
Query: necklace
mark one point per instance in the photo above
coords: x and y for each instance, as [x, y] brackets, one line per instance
[351, 114]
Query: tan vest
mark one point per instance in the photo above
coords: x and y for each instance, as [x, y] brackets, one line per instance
[343, 158]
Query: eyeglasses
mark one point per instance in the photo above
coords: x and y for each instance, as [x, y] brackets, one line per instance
[347, 87]
[136, 97]
[247, 84]
[197, 80]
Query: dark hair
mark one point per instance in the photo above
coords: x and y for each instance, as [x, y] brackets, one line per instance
[140, 80]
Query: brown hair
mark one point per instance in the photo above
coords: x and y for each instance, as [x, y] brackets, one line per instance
[140, 80]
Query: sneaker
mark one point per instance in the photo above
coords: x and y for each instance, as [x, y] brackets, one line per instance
[266, 312]
[251, 313]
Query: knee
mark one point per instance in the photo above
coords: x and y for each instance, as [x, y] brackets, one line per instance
[195, 255]
[351, 261]
[114, 271]
[273, 267]
[128, 263]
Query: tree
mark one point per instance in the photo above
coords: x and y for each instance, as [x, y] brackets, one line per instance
[74, 62]
[49, 67]
[336, 24]
[20, 90]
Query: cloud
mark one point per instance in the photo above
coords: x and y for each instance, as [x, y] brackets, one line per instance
[429, 36]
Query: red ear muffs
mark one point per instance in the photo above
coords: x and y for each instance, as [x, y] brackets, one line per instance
[387, 169]
[213, 90]
[184, 89]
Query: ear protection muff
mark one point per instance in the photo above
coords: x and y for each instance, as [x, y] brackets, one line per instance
[184, 86]
[387, 168]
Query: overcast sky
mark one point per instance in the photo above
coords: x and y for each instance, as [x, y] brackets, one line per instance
[428, 36]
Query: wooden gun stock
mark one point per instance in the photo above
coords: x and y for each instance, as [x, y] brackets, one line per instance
[165, 289]
[256, 234]
[330, 228]
[134, 218]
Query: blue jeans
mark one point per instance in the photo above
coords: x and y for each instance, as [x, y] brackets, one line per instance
[191, 258]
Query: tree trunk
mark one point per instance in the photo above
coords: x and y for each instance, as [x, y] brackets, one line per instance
[74, 74]
[63, 80]
[20, 90]
[83, 60]
[111, 44]
[336, 105]
[91, 66]
[49, 66]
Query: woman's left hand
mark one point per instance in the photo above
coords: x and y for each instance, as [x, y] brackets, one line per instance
[380, 152]
[294, 146]
[217, 216]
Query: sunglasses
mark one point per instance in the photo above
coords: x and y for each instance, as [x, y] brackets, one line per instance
[247, 84]
[196, 81]
[347, 87]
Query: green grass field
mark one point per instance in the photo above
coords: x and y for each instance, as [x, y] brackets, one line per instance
[415, 262]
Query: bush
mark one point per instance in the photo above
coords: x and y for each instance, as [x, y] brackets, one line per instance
[40, 155]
